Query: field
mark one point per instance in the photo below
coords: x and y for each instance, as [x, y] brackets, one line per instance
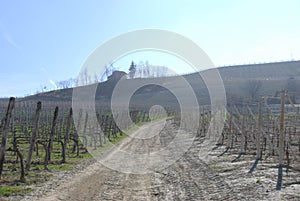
[251, 143]
[41, 139]
[259, 142]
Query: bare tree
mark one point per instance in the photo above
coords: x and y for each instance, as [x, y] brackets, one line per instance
[161, 71]
[147, 70]
[102, 78]
[73, 82]
[76, 82]
[140, 69]
[65, 84]
[84, 77]
[96, 78]
[89, 80]
[140, 72]
[62, 84]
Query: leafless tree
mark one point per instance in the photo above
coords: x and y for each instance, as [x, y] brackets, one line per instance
[102, 78]
[147, 70]
[96, 78]
[76, 82]
[84, 75]
[65, 84]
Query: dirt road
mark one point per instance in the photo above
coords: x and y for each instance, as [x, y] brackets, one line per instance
[186, 179]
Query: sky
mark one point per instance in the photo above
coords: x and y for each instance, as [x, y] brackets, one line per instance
[42, 42]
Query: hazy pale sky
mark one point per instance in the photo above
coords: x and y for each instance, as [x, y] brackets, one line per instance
[46, 41]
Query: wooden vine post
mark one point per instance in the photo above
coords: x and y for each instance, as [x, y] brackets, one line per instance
[244, 139]
[281, 129]
[76, 135]
[34, 135]
[67, 136]
[52, 133]
[230, 134]
[4, 131]
[259, 126]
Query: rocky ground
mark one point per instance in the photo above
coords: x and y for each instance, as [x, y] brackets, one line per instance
[224, 177]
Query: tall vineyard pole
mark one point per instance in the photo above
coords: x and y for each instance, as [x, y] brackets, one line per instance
[5, 130]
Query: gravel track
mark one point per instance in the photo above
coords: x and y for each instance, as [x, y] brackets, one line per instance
[188, 178]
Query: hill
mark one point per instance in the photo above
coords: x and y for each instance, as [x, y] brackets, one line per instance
[240, 83]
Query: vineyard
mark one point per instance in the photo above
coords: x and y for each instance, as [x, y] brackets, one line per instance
[268, 132]
[42, 136]
[45, 136]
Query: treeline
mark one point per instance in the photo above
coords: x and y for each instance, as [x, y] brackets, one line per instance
[140, 70]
